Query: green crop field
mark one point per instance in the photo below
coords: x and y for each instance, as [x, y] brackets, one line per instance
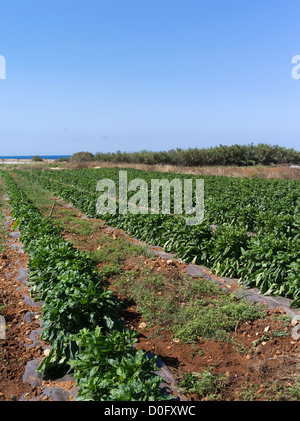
[257, 239]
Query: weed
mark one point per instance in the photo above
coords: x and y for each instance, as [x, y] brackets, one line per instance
[204, 385]
[248, 392]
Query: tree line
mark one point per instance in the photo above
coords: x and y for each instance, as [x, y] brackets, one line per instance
[234, 155]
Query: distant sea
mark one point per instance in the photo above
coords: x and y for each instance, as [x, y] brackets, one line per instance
[30, 156]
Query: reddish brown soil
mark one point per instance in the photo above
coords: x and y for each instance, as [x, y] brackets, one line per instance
[259, 366]
[242, 363]
[13, 353]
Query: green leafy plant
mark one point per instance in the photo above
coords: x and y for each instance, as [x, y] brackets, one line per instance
[78, 307]
[109, 368]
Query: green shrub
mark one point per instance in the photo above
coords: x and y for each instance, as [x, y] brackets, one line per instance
[236, 155]
[82, 157]
[37, 159]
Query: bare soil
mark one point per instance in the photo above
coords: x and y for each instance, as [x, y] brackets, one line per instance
[14, 349]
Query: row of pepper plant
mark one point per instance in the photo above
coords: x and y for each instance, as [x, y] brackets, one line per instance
[267, 258]
[80, 315]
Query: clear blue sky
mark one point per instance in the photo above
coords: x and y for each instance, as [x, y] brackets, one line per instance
[107, 75]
